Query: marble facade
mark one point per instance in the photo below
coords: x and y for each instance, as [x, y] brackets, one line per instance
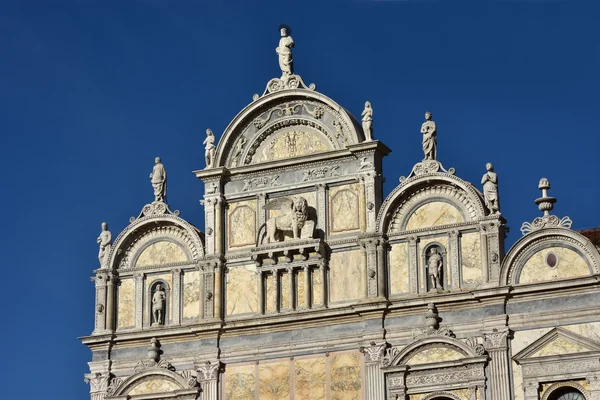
[340, 303]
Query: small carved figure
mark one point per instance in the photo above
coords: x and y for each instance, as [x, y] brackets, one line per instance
[284, 51]
[158, 304]
[490, 189]
[105, 242]
[239, 147]
[435, 264]
[293, 217]
[158, 177]
[364, 163]
[209, 145]
[367, 121]
[429, 131]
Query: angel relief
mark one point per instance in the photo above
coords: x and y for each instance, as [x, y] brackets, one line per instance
[292, 218]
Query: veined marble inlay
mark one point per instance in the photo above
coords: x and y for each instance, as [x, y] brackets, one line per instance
[435, 354]
[285, 291]
[569, 265]
[241, 289]
[301, 288]
[317, 286]
[241, 226]
[271, 293]
[191, 294]
[290, 143]
[274, 380]
[126, 307]
[346, 210]
[435, 213]
[161, 253]
[154, 386]
[471, 258]
[346, 377]
[310, 378]
[399, 268]
[240, 382]
[347, 275]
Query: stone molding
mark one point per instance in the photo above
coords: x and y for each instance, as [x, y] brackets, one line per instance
[560, 385]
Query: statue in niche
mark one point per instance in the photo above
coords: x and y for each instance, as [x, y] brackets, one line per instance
[367, 121]
[159, 299]
[284, 51]
[158, 177]
[105, 242]
[490, 189]
[435, 264]
[429, 131]
[293, 218]
[209, 145]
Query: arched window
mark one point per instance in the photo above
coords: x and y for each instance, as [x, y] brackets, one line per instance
[566, 393]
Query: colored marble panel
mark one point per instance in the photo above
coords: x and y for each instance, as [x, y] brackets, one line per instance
[274, 380]
[241, 224]
[558, 346]
[347, 275]
[310, 378]
[317, 287]
[434, 354]
[470, 250]
[285, 291]
[399, 276]
[126, 306]
[300, 288]
[150, 279]
[289, 143]
[161, 253]
[152, 386]
[346, 380]
[241, 286]
[568, 264]
[346, 210]
[240, 382]
[435, 213]
[271, 294]
[191, 295]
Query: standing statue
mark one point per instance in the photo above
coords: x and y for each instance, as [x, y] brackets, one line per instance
[429, 131]
[367, 121]
[158, 304]
[239, 147]
[490, 189]
[105, 242]
[158, 177]
[286, 60]
[435, 264]
[209, 144]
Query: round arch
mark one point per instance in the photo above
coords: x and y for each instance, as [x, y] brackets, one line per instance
[443, 341]
[415, 192]
[555, 391]
[531, 243]
[441, 396]
[254, 123]
[153, 373]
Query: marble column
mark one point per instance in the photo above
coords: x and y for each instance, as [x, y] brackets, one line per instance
[485, 268]
[100, 320]
[202, 294]
[496, 344]
[208, 376]
[176, 296]
[139, 300]
[307, 288]
[219, 222]
[98, 384]
[454, 267]
[260, 290]
[381, 275]
[290, 276]
[413, 265]
[374, 377]
[110, 300]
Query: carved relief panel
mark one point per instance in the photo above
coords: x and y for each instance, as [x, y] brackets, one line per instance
[241, 224]
[346, 209]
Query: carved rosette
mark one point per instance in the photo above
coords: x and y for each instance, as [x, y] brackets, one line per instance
[290, 82]
[547, 221]
[427, 167]
[155, 208]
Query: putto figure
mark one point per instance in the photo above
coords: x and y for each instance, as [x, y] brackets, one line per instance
[367, 121]
[158, 304]
[490, 189]
[209, 145]
[429, 131]
[284, 51]
[435, 264]
[105, 242]
[158, 177]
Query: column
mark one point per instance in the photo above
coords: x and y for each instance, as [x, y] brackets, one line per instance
[322, 208]
[277, 290]
[374, 377]
[307, 288]
[218, 274]
[208, 376]
[290, 272]
[176, 296]
[485, 268]
[100, 320]
[98, 384]
[139, 300]
[202, 294]
[209, 291]
[381, 275]
[110, 299]
[209, 223]
[260, 290]
[413, 265]
[323, 270]
[368, 181]
[496, 343]
[219, 217]
[454, 262]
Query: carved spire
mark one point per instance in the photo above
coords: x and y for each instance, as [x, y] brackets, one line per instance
[545, 204]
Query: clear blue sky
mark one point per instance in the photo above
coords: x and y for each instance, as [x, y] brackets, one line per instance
[92, 91]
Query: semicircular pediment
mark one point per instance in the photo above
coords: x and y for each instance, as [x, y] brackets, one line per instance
[153, 385]
[161, 252]
[433, 353]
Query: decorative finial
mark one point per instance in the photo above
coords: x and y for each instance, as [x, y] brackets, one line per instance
[429, 131]
[158, 177]
[209, 145]
[545, 204]
[154, 349]
[490, 189]
[105, 243]
[367, 121]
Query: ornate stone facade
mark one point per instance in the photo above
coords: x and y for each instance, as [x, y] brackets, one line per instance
[308, 283]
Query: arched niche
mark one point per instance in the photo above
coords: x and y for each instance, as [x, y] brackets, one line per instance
[441, 396]
[286, 124]
[426, 254]
[433, 349]
[549, 255]
[566, 391]
[166, 306]
[437, 199]
[161, 383]
[156, 240]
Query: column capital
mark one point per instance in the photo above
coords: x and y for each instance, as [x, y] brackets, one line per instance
[208, 371]
[496, 339]
[98, 381]
[374, 353]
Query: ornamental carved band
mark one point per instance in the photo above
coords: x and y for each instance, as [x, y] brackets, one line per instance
[436, 377]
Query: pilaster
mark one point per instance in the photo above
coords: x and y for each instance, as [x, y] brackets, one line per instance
[413, 265]
[374, 377]
[322, 208]
[139, 300]
[454, 262]
[100, 320]
[368, 181]
[98, 384]
[594, 382]
[496, 344]
[208, 376]
[176, 295]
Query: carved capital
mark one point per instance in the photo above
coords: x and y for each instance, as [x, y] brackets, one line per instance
[374, 353]
[138, 277]
[496, 339]
[98, 381]
[594, 382]
[209, 371]
[531, 389]
[413, 240]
